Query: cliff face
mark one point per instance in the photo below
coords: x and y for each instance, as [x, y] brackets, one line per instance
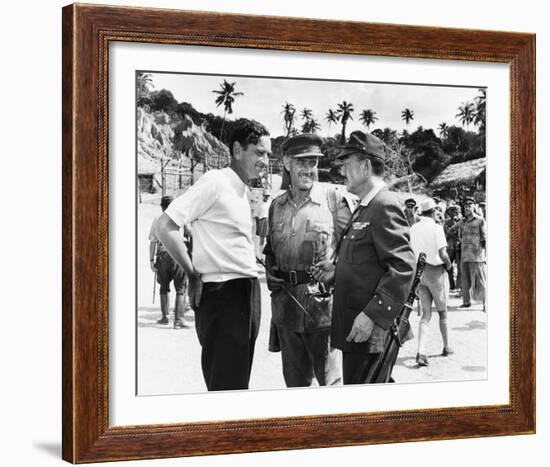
[178, 141]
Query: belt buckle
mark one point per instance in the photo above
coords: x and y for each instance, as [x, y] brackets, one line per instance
[293, 277]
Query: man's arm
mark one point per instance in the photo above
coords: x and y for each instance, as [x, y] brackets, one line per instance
[152, 251]
[483, 233]
[273, 282]
[168, 232]
[344, 205]
[391, 241]
[445, 257]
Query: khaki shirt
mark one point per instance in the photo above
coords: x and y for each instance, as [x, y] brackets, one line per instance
[472, 234]
[296, 234]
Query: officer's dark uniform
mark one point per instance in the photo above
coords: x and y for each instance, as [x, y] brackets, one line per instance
[374, 270]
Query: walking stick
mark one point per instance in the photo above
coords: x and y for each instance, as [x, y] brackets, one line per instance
[155, 277]
[154, 286]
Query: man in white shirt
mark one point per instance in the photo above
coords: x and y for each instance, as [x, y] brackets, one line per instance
[427, 236]
[223, 286]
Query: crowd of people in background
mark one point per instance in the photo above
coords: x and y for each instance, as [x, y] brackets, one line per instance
[453, 235]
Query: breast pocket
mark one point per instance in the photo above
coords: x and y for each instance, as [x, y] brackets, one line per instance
[317, 237]
[361, 246]
[277, 233]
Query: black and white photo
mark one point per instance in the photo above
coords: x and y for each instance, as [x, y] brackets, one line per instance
[278, 226]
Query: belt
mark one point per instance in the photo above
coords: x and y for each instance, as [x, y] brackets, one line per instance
[295, 277]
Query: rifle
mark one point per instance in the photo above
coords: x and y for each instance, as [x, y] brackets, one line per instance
[381, 372]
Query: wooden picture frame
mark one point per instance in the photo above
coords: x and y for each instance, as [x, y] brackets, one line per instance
[87, 32]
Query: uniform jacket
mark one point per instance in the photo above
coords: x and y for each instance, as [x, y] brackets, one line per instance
[295, 233]
[374, 271]
[473, 233]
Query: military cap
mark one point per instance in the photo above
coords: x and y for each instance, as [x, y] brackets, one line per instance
[363, 143]
[304, 145]
[469, 200]
[410, 201]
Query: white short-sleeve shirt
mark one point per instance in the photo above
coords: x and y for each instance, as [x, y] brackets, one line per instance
[427, 236]
[218, 210]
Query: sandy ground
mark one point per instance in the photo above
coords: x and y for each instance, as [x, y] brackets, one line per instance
[168, 360]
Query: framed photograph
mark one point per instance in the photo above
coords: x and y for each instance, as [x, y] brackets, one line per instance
[222, 177]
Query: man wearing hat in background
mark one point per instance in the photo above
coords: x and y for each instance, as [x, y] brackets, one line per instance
[472, 234]
[167, 270]
[374, 262]
[427, 236]
[410, 211]
[305, 223]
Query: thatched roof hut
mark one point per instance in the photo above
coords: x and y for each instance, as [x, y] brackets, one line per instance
[468, 174]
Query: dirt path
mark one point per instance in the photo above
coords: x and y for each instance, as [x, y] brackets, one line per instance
[169, 359]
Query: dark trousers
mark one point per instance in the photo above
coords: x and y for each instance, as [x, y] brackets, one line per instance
[227, 324]
[357, 367]
[454, 257]
[305, 354]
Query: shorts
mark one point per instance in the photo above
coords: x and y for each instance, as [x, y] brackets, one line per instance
[434, 286]
[167, 271]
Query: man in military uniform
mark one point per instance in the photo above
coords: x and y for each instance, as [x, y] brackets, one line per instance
[473, 236]
[374, 265]
[167, 270]
[305, 223]
[411, 211]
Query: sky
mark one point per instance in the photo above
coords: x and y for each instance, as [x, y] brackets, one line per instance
[264, 98]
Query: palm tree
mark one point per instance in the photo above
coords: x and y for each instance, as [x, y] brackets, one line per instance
[144, 84]
[466, 114]
[314, 125]
[368, 117]
[289, 112]
[443, 130]
[226, 96]
[480, 106]
[344, 112]
[387, 135]
[311, 126]
[407, 116]
[332, 117]
[306, 114]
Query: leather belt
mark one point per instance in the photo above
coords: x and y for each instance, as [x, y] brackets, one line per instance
[295, 277]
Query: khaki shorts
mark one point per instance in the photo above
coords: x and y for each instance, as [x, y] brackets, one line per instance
[434, 287]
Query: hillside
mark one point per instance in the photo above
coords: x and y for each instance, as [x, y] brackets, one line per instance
[183, 145]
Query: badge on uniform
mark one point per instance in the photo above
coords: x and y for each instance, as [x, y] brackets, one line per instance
[360, 225]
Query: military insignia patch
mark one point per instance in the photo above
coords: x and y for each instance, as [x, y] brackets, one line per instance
[360, 225]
